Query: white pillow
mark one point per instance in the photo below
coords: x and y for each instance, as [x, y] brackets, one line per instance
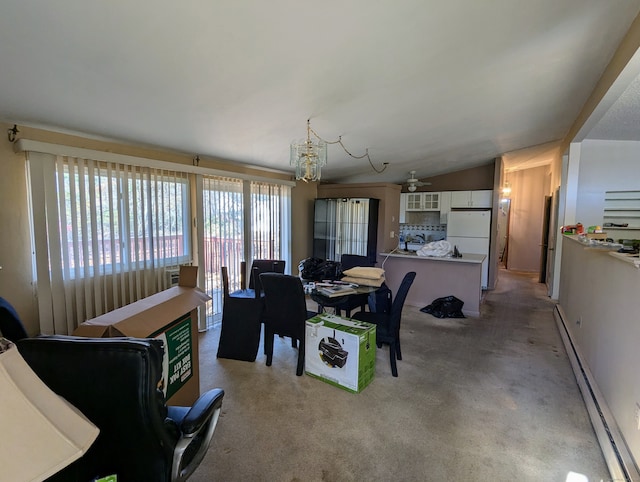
[365, 272]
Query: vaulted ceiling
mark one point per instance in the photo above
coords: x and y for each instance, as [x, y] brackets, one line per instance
[427, 85]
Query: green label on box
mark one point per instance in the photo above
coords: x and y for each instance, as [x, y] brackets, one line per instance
[108, 478]
[178, 357]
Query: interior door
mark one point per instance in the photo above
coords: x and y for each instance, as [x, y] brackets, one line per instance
[544, 243]
[553, 231]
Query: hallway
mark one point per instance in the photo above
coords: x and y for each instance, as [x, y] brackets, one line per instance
[477, 399]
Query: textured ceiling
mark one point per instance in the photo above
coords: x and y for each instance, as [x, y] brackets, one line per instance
[425, 85]
[622, 120]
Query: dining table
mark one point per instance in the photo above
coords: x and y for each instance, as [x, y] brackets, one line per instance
[334, 302]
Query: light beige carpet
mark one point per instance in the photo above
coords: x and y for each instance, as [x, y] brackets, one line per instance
[477, 399]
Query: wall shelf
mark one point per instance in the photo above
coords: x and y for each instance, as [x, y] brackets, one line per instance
[622, 207]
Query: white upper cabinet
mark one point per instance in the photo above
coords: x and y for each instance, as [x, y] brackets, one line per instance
[472, 199]
[422, 201]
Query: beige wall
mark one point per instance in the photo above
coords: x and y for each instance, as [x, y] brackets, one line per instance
[15, 244]
[601, 292]
[476, 178]
[528, 190]
[302, 198]
[389, 209]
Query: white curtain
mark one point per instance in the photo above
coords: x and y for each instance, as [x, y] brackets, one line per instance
[103, 232]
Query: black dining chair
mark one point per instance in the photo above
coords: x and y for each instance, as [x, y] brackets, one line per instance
[285, 313]
[241, 322]
[388, 324]
[259, 266]
[348, 261]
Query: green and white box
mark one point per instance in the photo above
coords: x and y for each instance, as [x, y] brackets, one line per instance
[340, 351]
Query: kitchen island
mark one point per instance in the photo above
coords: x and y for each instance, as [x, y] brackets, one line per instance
[436, 277]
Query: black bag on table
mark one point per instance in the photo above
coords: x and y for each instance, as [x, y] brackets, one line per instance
[446, 307]
[316, 269]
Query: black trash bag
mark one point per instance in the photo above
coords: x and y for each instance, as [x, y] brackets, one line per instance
[446, 307]
[316, 269]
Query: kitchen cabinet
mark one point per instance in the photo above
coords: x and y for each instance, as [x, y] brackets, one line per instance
[403, 208]
[445, 206]
[423, 201]
[472, 199]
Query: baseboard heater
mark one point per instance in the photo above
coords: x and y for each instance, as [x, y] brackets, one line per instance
[619, 461]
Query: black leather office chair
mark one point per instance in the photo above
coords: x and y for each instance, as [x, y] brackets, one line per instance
[388, 324]
[285, 313]
[11, 326]
[114, 383]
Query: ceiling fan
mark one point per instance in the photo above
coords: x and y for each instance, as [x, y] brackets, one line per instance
[413, 183]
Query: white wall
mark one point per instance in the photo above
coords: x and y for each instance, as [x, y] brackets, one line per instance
[605, 166]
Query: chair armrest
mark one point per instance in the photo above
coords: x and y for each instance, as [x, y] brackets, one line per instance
[201, 411]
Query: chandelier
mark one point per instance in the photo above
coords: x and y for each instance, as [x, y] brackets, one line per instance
[310, 156]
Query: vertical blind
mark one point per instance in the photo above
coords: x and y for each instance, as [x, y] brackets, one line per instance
[108, 233]
[223, 232]
[104, 233]
[270, 229]
[243, 220]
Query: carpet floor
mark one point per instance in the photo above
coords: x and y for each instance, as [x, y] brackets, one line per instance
[491, 398]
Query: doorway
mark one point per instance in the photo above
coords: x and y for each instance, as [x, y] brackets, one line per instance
[503, 231]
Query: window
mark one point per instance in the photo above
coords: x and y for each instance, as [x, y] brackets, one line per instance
[242, 221]
[120, 218]
[104, 234]
[109, 229]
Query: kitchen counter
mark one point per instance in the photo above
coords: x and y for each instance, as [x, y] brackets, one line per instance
[466, 257]
[436, 277]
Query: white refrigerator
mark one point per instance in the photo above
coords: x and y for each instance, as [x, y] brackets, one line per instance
[470, 232]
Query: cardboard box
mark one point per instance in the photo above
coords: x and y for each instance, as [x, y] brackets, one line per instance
[171, 315]
[340, 351]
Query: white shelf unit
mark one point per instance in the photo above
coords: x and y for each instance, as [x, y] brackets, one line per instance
[622, 207]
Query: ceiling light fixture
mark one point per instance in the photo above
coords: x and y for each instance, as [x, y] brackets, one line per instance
[414, 182]
[309, 156]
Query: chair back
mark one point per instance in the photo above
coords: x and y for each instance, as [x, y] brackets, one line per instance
[398, 302]
[259, 266]
[225, 282]
[349, 261]
[113, 382]
[10, 325]
[285, 304]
